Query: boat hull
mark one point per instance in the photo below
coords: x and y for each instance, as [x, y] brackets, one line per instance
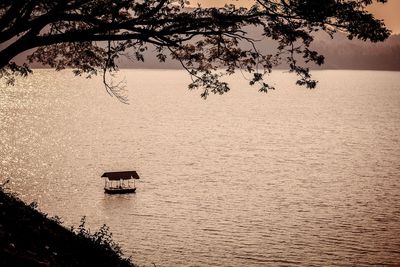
[114, 191]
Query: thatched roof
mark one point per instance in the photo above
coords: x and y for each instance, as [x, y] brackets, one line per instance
[126, 175]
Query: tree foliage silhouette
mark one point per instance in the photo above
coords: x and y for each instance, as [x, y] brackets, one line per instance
[91, 35]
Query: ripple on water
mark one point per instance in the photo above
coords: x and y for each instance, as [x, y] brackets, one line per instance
[294, 178]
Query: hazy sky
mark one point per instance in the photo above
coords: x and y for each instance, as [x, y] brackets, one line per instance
[390, 12]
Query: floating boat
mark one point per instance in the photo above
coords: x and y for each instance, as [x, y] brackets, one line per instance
[120, 182]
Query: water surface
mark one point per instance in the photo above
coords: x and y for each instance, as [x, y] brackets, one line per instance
[293, 177]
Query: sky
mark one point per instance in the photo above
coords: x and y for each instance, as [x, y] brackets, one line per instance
[389, 12]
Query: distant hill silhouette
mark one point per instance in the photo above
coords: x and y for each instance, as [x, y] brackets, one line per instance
[340, 53]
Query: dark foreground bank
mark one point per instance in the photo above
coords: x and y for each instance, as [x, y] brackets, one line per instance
[29, 238]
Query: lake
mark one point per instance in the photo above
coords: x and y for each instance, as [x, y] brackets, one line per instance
[294, 177]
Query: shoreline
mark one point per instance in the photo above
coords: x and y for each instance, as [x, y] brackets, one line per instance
[29, 237]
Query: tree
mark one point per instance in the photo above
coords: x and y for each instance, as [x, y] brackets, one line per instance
[90, 35]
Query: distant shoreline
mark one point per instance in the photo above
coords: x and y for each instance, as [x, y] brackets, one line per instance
[278, 68]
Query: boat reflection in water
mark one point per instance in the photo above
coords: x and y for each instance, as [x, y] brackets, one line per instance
[120, 182]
